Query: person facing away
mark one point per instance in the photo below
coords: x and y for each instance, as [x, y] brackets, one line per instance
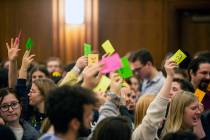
[69, 110]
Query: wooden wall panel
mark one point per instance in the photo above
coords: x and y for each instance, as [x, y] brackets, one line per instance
[33, 18]
[173, 18]
[151, 24]
[134, 24]
[128, 24]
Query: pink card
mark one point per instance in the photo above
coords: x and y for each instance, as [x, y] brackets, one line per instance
[111, 63]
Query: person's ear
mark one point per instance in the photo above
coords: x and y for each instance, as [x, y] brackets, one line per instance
[74, 124]
[191, 73]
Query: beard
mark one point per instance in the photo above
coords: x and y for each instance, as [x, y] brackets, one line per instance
[83, 132]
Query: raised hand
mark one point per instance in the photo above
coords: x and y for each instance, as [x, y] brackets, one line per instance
[116, 82]
[13, 49]
[169, 67]
[27, 59]
[92, 75]
[82, 62]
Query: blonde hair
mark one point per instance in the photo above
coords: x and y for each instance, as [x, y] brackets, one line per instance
[141, 107]
[174, 121]
[44, 85]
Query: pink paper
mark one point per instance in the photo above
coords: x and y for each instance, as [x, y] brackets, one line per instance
[111, 63]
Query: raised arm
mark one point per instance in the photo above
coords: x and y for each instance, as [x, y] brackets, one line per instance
[12, 56]
[147, 130]
[72, 76]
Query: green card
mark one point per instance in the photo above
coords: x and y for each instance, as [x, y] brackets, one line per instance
[29, 44]
[125, 71]
[178, 57]
[87, 49]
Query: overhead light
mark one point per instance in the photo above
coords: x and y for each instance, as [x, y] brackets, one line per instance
[74, 12]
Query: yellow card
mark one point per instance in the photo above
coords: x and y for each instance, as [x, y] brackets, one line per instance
[178, 57]
[92, 59]
[107, 46]
[103, 84]
[199, 94]
[125, 84]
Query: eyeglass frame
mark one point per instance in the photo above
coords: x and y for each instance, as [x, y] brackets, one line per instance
[13, 105]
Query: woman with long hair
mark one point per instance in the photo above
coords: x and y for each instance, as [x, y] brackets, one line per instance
[183, 113]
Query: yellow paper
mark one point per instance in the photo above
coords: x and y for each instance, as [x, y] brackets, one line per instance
[199, 94]
[107, 46]
[178, 57]
[92, 59]
[102, 85]
[125, 84]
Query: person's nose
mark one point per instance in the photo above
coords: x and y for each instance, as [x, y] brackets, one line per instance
[10, 109]
[208, 76]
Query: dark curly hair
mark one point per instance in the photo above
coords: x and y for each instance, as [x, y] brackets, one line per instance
[66, 103]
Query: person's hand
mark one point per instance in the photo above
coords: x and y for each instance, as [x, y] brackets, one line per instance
[92, 76]
[27, 60]
[13, 49]
[116, 82]
[82, 62]
[169, 67]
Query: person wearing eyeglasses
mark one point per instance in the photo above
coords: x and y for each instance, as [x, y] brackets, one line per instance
[10, 112]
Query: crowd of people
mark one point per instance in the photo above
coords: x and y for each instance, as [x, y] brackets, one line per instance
[54, 101]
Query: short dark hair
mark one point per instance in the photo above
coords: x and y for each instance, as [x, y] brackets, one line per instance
[184, 84]
[205, 54]
[41, 68]
[143, 55]
[5, 91]
[194, 65]
[180, 135]
[113, 128]
[181, 71]
[66, 103]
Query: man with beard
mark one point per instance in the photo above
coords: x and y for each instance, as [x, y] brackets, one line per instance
[69, 109]
[199, 70]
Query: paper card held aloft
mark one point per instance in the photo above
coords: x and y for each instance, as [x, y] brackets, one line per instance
[199, 94]
[108, 48]
[178, 57]
[92, 59]
[102, 85]
[125, 71]
[111, 63]
[29, 44]
[87, 49]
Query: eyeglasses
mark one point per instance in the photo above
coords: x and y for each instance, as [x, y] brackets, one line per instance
[13, 105]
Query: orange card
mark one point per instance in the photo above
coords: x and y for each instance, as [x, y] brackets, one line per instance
[92, 59]
[199, 94]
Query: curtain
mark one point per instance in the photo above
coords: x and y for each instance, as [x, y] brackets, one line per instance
[68, 40]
